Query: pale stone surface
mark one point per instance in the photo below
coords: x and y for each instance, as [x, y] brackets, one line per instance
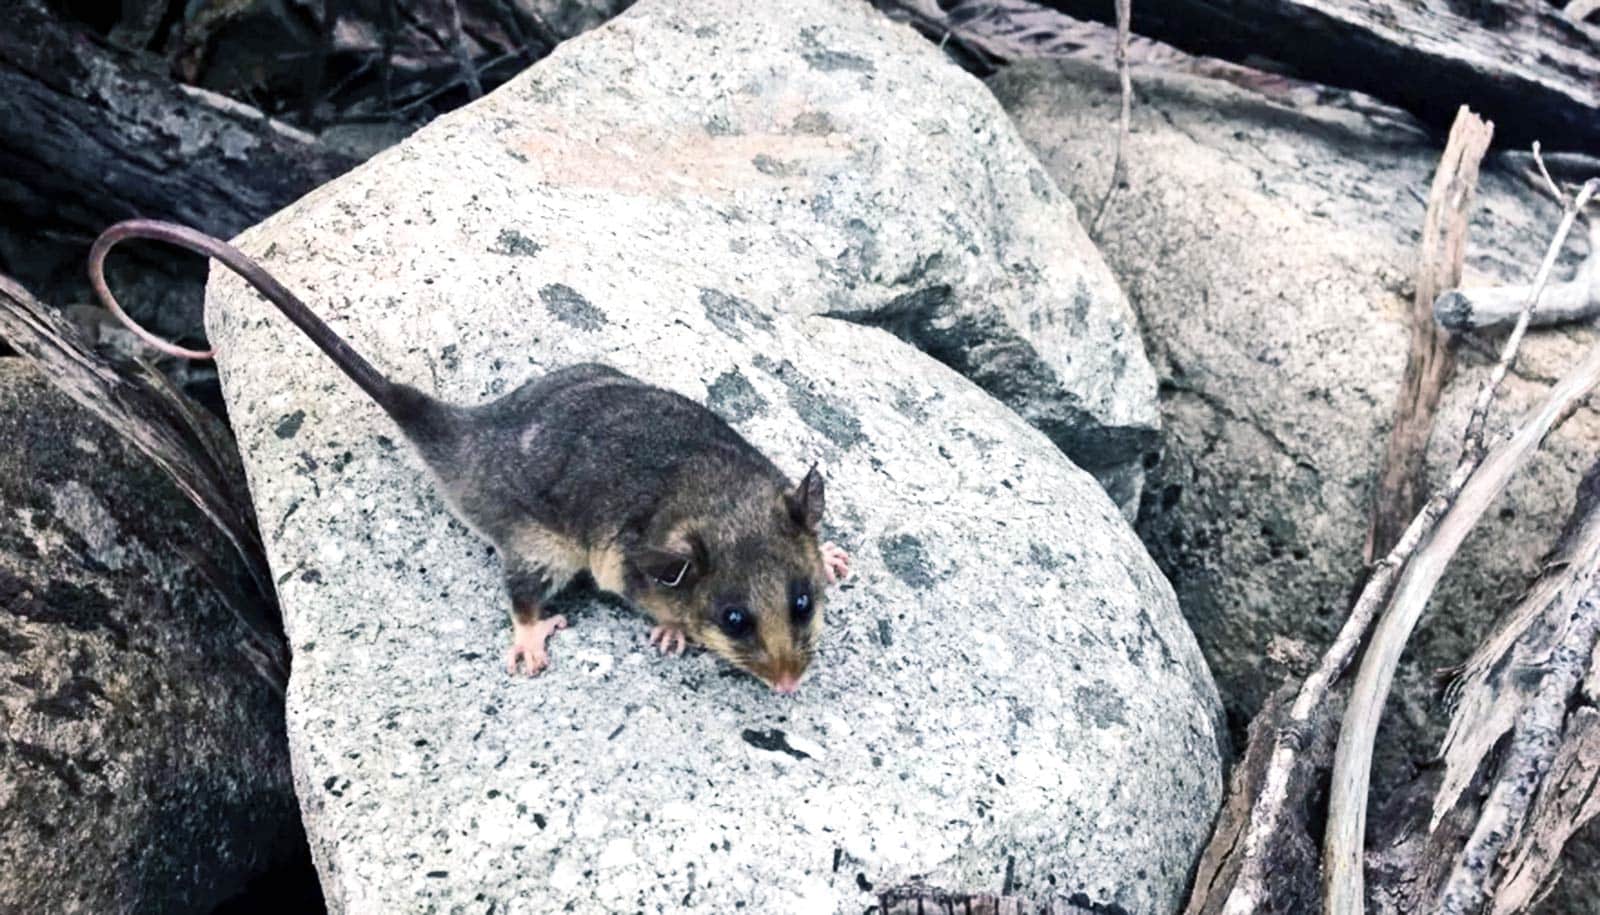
[142, 760]
[1269, 248]
[1270, 253]
[1006, 685]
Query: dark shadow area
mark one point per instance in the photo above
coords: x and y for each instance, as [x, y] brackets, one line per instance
[289, 886]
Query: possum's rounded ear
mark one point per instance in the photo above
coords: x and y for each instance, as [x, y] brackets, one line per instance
[805, 503]
[668, 568]
[678, 564]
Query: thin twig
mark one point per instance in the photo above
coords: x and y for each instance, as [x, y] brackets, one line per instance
[391, 24]
[1549, 182]
[450, 85]
[1480, 407]
[1124, 122]
[541, 29]
[1343, 879]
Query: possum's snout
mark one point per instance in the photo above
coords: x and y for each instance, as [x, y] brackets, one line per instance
[773, 642]
[783, 669]
[740, 569]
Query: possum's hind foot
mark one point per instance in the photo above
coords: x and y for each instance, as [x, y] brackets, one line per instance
[670, 639]
[528, 644]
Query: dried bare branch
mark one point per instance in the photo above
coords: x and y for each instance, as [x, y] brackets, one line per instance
[1544, 172]
[1524, 65]
[1479, 692]
[1579, 10]
[458, 47]
[1260, 858]
[128, 141]
[1480, 407]
[1432, 358]
[991, 31]
[1575, 300]
[918, 899]
[1569, 798]
[1301, 743]
[1343, 849]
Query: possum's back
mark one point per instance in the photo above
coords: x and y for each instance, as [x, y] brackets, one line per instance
[587, 448]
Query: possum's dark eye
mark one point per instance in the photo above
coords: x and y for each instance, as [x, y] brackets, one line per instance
[801, 605]
[736, 622]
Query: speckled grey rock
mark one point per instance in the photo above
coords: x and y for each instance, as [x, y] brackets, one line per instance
[1006, 685]
[143, 765]
[1269, 249]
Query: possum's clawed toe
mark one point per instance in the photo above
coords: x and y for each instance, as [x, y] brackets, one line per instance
[528, 644]
[835, 561]
[669, 639]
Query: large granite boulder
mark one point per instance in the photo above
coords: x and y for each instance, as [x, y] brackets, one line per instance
[143, 765]
[1269, 247]
[1007, 696]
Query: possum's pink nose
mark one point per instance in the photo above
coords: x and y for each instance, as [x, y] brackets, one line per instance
[786, 684]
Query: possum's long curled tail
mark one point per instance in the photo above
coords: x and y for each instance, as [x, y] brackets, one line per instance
[400, 401]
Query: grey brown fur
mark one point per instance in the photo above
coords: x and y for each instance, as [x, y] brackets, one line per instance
[588, 469]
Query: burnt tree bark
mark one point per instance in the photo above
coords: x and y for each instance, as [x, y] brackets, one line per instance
[1521, 63]
[88, 136]
[189, 445]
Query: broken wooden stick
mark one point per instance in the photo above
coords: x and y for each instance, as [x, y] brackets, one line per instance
[1490, 306]
[89, 134]
[1431, 358]
[1344, 846]
[1478, 693]
[1523, 65]
[1569, 798]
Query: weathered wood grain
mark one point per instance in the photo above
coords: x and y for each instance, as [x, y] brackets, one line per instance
[1520, 63]
[1431, 359]
[188, 444]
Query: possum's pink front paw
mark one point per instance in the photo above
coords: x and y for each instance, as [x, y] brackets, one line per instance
[528, 644]
[836, 562]
[670, 639]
